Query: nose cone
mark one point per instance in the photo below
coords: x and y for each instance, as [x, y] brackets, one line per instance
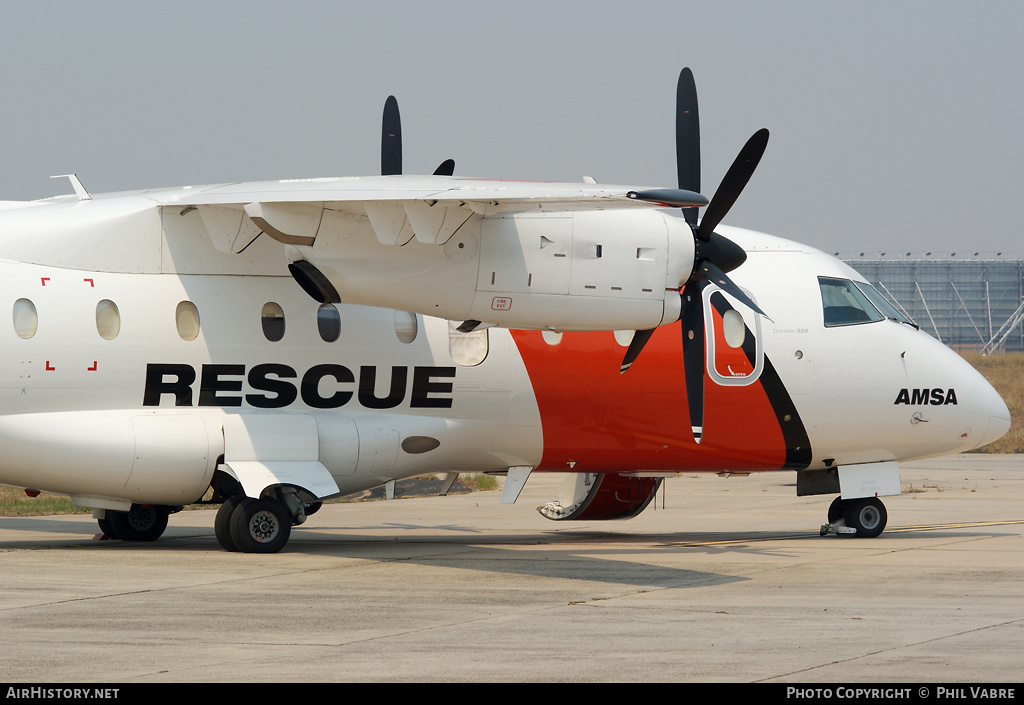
[984, 410]
[999, 417]
[955, 408]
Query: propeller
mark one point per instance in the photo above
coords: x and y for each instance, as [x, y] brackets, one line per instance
[391, 143]
[391, 139]
[446, 168]
[714, 255]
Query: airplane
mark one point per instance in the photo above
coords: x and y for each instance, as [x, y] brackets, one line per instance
[283, 343]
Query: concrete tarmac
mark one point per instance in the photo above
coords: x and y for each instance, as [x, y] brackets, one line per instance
[726, 579]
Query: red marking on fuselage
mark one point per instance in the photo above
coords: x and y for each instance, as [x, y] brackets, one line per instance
[606, 421]
[50, 369]
[44, 280]
[91, 282]
[95, 364]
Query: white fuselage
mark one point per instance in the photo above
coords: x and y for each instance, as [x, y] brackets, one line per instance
[143, 417]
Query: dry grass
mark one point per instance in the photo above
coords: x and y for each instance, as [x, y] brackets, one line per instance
[1005, 372]
[425, 486]
[14, 502]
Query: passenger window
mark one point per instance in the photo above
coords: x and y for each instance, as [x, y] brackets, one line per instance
[186, 318]
[273, 321]
[467, 349]
[844, 304]
[328, 322]
[406, 326]
[108, 319]
[25, 318]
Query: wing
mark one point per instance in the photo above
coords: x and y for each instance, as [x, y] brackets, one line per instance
[430, 208]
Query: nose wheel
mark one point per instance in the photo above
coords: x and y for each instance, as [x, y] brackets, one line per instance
[864, 518]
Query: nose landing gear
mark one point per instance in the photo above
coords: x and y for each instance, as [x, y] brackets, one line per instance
[864, 518]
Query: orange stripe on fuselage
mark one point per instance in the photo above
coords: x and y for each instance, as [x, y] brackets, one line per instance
[605, 421]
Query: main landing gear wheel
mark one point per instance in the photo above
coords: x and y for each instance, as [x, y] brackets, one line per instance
[867, 516]
[260, 525]
[143, 522]
[106, 527]
[222, 523]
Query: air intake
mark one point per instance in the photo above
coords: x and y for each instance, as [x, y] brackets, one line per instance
[313, 282]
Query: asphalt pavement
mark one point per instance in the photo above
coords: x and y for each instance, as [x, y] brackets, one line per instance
[722, 579]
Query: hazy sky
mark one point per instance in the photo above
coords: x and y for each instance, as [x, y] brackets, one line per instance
[894, 125]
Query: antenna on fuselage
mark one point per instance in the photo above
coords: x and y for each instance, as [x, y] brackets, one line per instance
[83, 195]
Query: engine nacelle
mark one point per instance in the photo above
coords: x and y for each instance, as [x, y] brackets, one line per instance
[589, 496]
[562, 271]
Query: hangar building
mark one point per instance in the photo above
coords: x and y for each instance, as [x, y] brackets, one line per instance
[973, 303]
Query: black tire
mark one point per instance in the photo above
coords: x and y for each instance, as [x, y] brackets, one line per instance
[106, 527]
[222, 523]
[836, 510]
[867, 516]
[143, 522]
[261, 525]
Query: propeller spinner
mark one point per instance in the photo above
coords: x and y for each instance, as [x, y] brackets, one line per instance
[714, 254]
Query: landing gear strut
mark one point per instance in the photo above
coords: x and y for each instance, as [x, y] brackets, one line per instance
[864, 518]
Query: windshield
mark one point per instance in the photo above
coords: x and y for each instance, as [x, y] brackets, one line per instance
[844, 304]
[883, 305]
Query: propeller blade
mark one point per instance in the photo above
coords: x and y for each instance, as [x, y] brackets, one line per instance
[687, 139]
[733, 183]
[391, 139]
[715, 275]
[714, 255]
[637, 344]
[447, 168]
[693, 355]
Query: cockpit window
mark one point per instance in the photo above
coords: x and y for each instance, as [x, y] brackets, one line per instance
[883, 305]
[845, 304]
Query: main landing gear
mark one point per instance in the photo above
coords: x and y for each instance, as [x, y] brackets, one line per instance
[143, 522]
[255, 525]
[863, 518]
